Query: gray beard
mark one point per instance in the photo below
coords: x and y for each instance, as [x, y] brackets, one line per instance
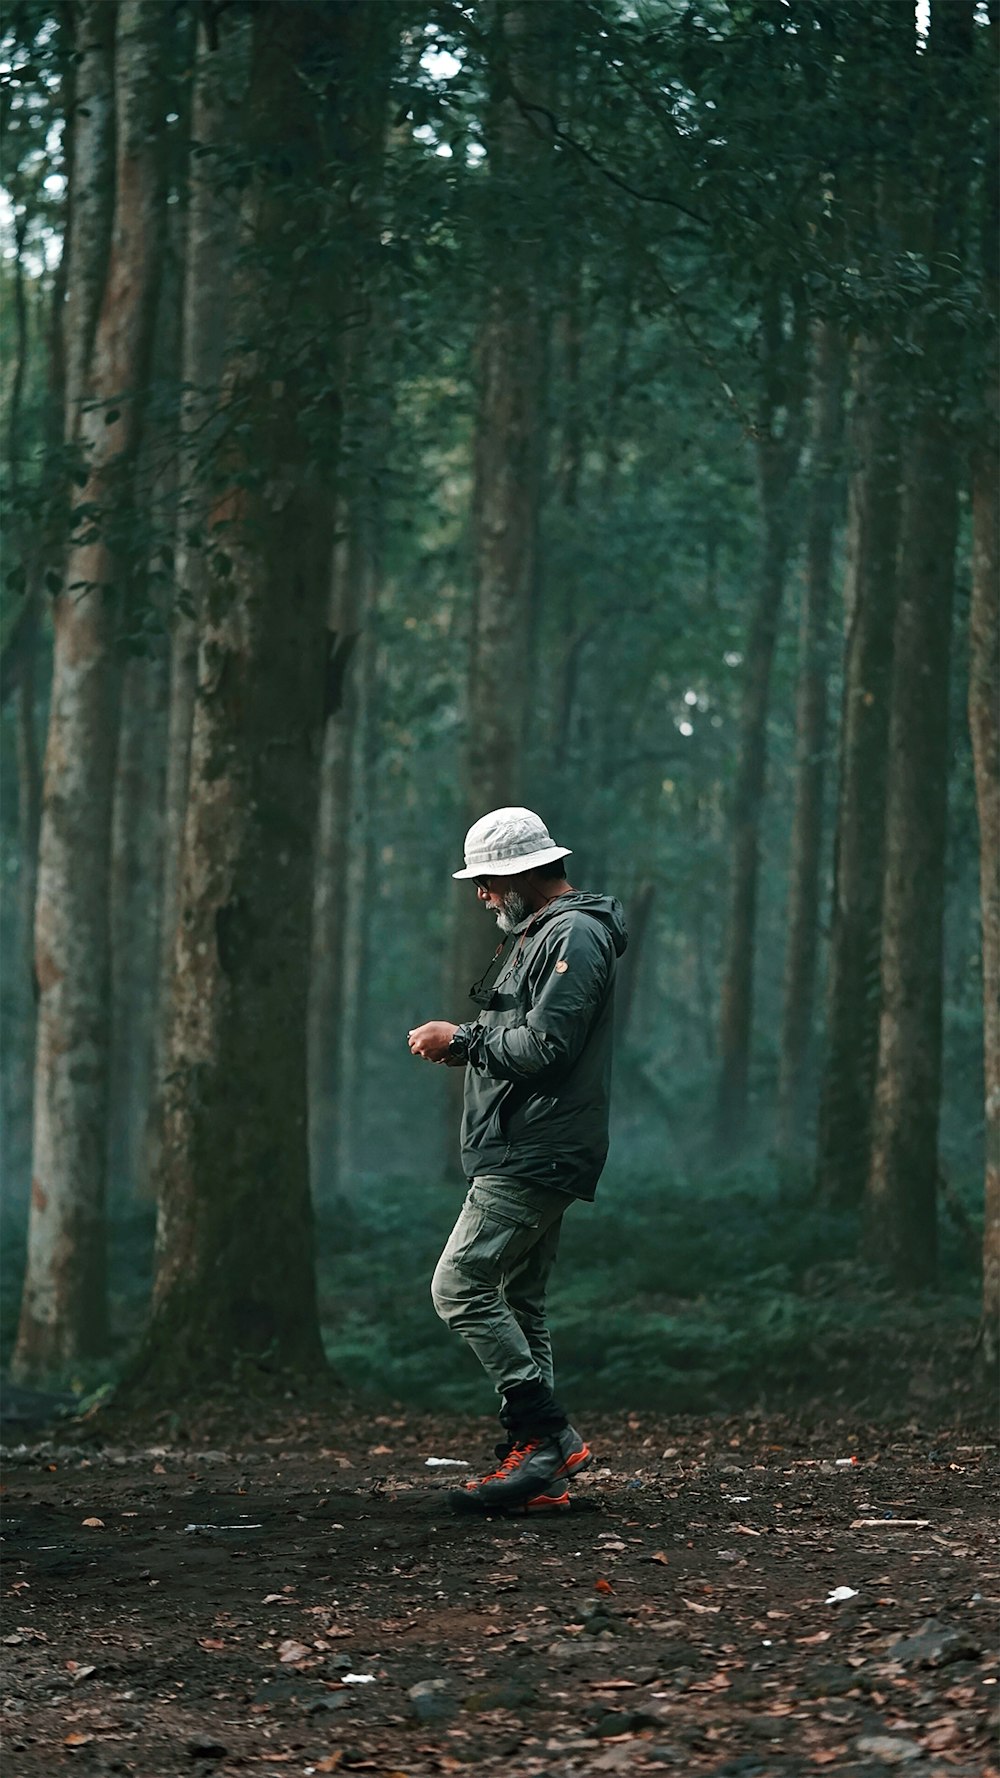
[514, 910]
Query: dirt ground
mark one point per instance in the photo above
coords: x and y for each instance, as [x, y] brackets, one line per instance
[269, 1607]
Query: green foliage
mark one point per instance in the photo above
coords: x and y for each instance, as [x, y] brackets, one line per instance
[687, 1299]
[661, 1297]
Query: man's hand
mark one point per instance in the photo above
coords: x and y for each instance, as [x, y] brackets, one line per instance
[431, 1041]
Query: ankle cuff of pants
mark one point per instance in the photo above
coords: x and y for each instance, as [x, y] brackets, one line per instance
[530, 1410]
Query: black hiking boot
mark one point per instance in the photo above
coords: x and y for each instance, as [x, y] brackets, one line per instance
[527, 1472]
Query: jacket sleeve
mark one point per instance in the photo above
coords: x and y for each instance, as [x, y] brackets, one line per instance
[568, 977]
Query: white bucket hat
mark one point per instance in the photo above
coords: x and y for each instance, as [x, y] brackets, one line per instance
[506, 842]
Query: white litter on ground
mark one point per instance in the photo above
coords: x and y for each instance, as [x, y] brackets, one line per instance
[242, 1526]
[445, 1463]
[841, 1593]
[358, 1678]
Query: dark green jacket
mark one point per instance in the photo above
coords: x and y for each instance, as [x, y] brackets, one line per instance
[538, 1079]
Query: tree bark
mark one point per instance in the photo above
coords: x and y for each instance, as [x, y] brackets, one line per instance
[330, 898]
[984, 708]
[40, 549]
[24, 649]
[137, 821]
[92, 195]
[901, 1195]
[777, 462]
[361, 878]
[639, 914]
[220, 81]
[234, 1268]
[901, 1219]
[984, 713]
[811, 737]
[64, 1305]
[870, 599]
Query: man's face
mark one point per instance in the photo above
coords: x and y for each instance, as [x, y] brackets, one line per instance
[503, 900]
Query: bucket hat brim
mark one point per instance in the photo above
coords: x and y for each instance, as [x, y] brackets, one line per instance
[512, 867]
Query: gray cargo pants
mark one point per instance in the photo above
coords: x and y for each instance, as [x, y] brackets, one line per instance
[489, 1284]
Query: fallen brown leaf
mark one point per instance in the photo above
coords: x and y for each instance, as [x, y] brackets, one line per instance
[290, 1650]
[940, 1736]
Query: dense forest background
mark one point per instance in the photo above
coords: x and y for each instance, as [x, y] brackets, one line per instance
[412, 410]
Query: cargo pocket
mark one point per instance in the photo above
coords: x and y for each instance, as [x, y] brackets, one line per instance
[507, 1204]
[500, 1228]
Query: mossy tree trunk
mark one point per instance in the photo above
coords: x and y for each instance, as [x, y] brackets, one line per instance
[220, 75]
[235, 1273]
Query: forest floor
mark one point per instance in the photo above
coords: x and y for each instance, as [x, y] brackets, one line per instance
[297, 1597]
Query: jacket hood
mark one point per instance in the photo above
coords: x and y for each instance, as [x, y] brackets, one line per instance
[607, 909]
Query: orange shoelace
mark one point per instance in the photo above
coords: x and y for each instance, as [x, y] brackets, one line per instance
[509, 1464]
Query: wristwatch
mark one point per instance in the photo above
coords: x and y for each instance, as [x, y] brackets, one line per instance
[458, 1048]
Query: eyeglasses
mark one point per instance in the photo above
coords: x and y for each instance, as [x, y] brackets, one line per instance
[479, 992]
[482, 882]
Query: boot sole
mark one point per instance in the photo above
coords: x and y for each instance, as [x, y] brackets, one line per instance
[539, 1503]
[553, 1503]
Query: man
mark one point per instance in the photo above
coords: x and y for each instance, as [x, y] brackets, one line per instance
[537, 1062]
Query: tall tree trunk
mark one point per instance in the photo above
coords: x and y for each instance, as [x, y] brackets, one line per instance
[22, 652]
[219, 90]
[777, 462]
[984, 711]
[811, 735]
[234, 1269]
[330, 897]
[64, 1305]
[40, 549]
[901, 1196]
[136, 869]
[352, 1071]
[880, 68]
[639, 913]
[506, 476]
[984, 724]
[902, 1183]
[870, 599]
[91, 195]
[138, 810]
